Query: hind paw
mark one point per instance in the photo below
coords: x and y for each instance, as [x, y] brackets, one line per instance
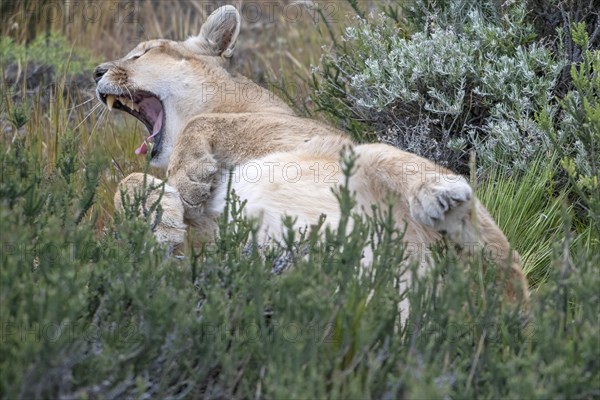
[441, 204]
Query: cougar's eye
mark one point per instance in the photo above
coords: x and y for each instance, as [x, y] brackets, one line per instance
[135, 57]
[138, 55]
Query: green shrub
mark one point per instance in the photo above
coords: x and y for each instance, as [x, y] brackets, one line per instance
[576, 134]
[106, 314]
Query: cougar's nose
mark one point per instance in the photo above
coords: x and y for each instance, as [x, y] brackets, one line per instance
[99, 72]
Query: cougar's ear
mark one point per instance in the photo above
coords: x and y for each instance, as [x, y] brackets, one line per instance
[219, 33]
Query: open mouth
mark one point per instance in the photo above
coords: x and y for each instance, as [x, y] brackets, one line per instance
[148, 109]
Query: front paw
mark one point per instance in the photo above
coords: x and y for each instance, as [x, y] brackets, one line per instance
[193, 178]
[442, 203]
[193, 193]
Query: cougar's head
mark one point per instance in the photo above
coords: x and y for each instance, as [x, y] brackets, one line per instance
[164, 83]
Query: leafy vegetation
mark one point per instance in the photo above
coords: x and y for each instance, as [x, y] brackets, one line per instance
[91, 306]
[111, 316]
[578, 136]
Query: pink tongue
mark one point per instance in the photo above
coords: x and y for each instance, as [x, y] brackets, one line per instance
[143, 149]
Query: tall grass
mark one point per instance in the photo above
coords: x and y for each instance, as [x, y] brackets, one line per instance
[529, 212]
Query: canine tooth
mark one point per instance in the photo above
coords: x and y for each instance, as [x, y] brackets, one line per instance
[110, 100]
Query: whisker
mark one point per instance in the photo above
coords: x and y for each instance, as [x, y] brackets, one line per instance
[85, 102]
[130, 94]
[100, 118]
[74, 107]
[103, 113]
[88, 115]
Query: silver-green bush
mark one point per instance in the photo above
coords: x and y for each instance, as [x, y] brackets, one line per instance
[447, 88]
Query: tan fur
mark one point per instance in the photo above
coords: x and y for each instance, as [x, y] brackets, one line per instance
[216, 120]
